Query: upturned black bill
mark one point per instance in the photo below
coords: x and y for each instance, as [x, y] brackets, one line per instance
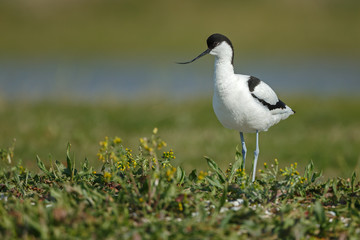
[207, 51]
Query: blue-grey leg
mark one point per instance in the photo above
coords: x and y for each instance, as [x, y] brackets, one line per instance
[243, 151]
[256, 154]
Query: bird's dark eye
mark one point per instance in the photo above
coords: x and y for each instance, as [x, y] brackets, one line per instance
[216, 44]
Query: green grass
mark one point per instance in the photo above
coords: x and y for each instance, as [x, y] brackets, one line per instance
[142, 196]
[326, 131]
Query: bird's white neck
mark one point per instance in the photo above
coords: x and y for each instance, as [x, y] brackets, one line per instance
[224, 72]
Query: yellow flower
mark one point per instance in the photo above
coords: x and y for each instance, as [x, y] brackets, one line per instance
[169, 155]
[202, 175]
[143, 140]
[147, 148]
[134, 163]
[161, 144]
[21, 169]
[117, 140]
[107, 176]
[141, 200]
[94, 172]
[104, 143]
[155, 130]
[113, 156]
[181, 207]
[170, 173]
[100, 157]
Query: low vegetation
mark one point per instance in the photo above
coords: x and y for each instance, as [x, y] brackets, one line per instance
[143, 196]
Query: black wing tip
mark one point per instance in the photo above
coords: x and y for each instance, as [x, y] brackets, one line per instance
[278, 105]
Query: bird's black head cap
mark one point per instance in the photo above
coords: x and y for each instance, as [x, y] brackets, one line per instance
[217, 38]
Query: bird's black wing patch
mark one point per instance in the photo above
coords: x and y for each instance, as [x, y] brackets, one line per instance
[253, 82]
[279, 104]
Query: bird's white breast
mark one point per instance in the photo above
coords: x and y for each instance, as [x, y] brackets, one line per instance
[230, 103]
[234, 105]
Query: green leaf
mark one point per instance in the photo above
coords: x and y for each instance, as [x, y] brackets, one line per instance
[237, 164]
[192, 176]
[223, 197]
[310, 174]
[334, 187]
[309, 170]
[41, 165]
[319, 213]
[70, 165]
[352, 182]
[226, 220]
[212, 164]
[214, 182]
[238, 157]
[315, 176]
[68, 159]
[180, 175]
[59, 166]
[326, 188]
[85, 166]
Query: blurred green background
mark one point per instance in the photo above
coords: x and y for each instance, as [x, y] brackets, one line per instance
[135, 28]
[77, 71]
